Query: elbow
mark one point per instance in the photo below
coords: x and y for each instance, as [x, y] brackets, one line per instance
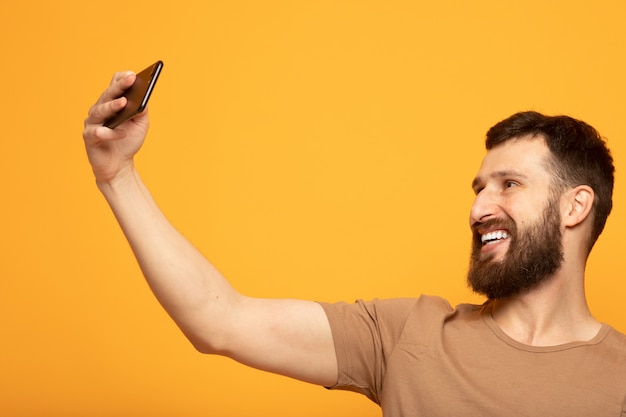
[208, 346]
[204, 348]
[209, 332]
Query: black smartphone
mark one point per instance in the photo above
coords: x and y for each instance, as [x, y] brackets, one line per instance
[137, 95]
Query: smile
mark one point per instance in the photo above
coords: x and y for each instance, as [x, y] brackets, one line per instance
[492, 237]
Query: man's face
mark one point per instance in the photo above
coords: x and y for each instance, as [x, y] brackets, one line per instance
[515, 220]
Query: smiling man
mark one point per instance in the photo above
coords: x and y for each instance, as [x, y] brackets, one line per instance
[513, 187]
[543, 194]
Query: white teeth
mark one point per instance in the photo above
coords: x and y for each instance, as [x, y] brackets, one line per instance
[493, 236]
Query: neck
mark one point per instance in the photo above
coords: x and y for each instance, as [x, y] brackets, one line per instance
[554, 313]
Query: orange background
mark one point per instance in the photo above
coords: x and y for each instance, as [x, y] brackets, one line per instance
[320, 150]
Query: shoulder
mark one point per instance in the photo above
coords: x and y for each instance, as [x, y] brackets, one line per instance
[392, 312]
[618, 336]
[614, 341]
[390, 306]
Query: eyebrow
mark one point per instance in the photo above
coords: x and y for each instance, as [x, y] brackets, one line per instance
[499, 174]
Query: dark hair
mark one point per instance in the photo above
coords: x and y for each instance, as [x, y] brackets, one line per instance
[579, 156]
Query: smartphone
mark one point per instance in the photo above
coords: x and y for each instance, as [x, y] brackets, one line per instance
[137, 95]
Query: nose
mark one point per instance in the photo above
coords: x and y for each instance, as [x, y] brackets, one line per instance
[484, 208]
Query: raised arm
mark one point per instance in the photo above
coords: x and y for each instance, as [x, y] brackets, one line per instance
[288, 337]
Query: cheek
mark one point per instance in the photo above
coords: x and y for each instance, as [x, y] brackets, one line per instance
[522, 212]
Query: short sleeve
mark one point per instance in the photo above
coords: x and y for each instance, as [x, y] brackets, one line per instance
[365, 334]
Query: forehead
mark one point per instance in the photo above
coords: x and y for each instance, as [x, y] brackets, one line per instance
[526, 155]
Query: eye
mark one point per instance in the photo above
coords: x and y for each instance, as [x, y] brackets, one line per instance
[510, 184]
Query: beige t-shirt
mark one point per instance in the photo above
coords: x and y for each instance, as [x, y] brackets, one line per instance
[421, 357]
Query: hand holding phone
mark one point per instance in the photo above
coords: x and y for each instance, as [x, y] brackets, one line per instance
[137, 95]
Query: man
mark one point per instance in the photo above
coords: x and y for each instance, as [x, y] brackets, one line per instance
[543, 193]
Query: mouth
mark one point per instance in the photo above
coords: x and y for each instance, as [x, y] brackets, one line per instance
[493, 237]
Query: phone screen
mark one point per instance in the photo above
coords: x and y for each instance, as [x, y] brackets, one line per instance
[137, 95]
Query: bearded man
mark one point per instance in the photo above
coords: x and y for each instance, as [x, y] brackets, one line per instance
[543, 194]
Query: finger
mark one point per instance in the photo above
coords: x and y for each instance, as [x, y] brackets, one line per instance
[94, 134]
[121, 82]
[100, 112]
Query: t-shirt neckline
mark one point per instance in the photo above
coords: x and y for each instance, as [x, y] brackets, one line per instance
[487, 316]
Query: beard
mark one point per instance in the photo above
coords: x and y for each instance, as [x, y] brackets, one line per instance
[533, 256]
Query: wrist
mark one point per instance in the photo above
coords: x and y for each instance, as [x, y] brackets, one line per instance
[124, 177]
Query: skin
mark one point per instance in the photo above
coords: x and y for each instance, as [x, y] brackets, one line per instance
[293, 337]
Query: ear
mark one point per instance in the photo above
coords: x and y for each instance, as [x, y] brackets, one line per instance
[578, 203]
